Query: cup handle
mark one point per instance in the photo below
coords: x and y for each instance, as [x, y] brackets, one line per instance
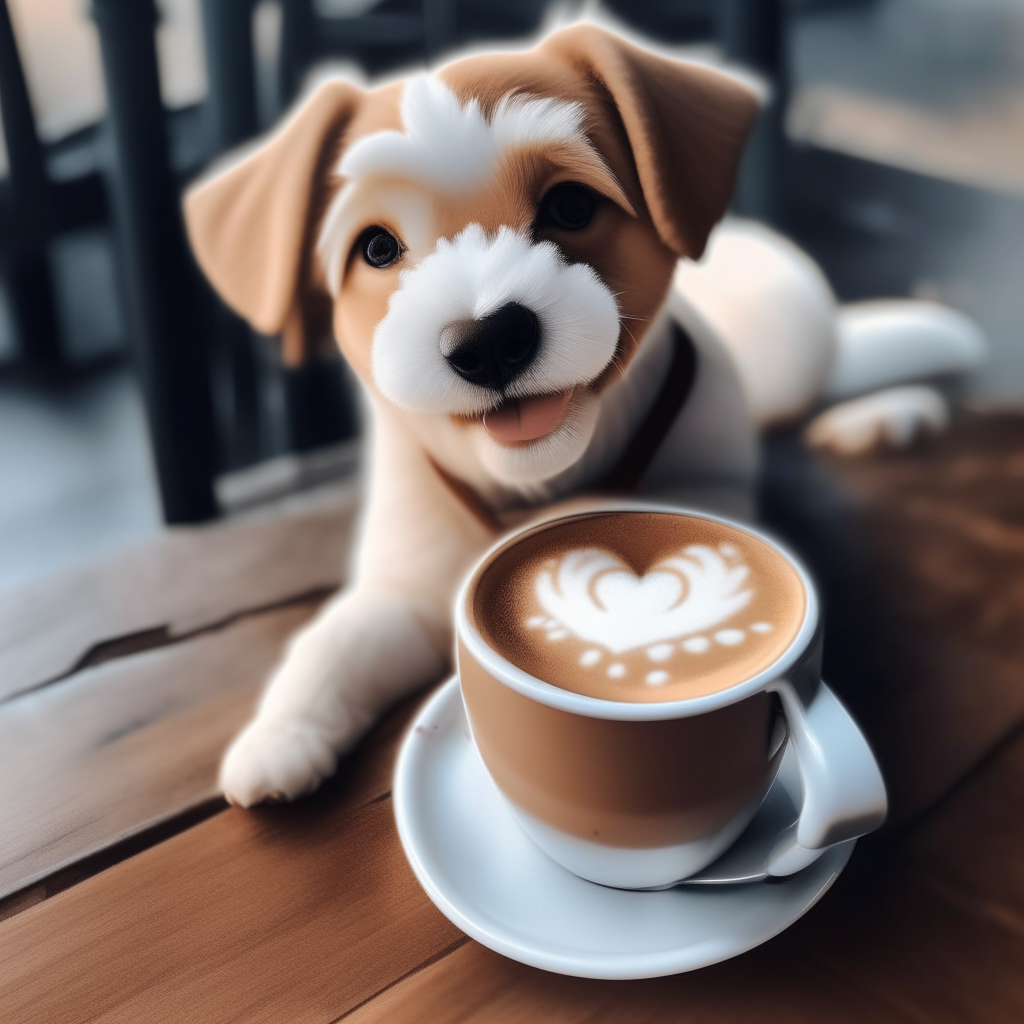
[843, 792]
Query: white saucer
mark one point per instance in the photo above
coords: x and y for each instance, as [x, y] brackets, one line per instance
[486, 876]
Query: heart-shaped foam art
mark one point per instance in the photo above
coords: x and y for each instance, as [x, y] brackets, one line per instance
[596, 597]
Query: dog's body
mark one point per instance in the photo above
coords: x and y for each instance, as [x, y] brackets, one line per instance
[494, 247]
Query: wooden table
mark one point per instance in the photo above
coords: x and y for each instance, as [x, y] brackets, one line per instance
[130, 892]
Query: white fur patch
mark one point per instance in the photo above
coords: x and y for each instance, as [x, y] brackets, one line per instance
[452, 147]
[470, 277]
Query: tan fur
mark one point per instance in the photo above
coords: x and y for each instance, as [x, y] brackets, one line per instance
[672, 133]
[252, 225]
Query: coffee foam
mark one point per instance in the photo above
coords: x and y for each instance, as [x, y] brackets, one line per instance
[640, 606]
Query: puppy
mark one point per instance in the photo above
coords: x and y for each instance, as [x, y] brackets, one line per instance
[493, 248]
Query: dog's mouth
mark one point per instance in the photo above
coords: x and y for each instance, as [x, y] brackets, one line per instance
[522, 420]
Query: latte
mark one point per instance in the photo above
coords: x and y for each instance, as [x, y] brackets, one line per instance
[640, 606]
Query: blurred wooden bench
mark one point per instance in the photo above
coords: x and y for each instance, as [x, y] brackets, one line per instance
[131, 892]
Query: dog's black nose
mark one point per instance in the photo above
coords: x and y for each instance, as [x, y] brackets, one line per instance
[497, 348]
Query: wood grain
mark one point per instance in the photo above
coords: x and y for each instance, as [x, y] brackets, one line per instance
[920, 558]
[292, 913]
[116, 748]
[928, 930]
[473, 984]
[892, 942]
[186, 580]
[938, 925]
[309, 912]
[921, 958]
[973, 841]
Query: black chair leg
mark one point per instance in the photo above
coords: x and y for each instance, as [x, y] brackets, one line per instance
[319, 404]
[29, 275]
[753, 33]
[33, 306]
[230, 71]
[439, 27]
[298, 46]
[161, 282]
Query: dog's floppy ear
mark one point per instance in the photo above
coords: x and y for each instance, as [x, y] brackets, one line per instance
[250, 223]
[685, 124]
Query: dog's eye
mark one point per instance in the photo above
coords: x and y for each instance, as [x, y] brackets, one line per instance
[380, 247]
[568, 206]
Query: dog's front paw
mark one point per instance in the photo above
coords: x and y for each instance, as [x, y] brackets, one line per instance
[277, 759]
[894, 417]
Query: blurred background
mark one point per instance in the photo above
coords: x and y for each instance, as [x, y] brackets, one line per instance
[130, 398]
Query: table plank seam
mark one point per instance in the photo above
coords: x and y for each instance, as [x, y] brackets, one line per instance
[428, 963]
[1011, 736]
[158, 637]
[123, 746]
[67, 875]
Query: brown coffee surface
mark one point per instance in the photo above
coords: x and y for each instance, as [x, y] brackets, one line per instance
[640, 606]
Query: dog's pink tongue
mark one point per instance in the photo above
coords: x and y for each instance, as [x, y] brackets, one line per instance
[526, 420]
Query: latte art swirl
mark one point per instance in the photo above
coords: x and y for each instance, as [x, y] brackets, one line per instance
[596, 597]
[641, 606]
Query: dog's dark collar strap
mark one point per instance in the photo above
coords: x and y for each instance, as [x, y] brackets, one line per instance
[639, 454]
[470, 500]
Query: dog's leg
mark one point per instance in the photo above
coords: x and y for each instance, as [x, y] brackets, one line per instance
[383, 638]
[361, 653]
[893, 417]
[887, 342]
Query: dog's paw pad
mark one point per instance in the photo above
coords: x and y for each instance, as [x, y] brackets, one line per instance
[275, 760]
[892, 418]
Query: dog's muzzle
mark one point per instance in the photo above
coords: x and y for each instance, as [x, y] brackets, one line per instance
[494, 350]
[487, 319]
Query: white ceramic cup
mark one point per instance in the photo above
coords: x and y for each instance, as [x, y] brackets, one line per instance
[643, 795]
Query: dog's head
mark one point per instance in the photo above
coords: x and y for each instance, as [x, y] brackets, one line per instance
[489, 243]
